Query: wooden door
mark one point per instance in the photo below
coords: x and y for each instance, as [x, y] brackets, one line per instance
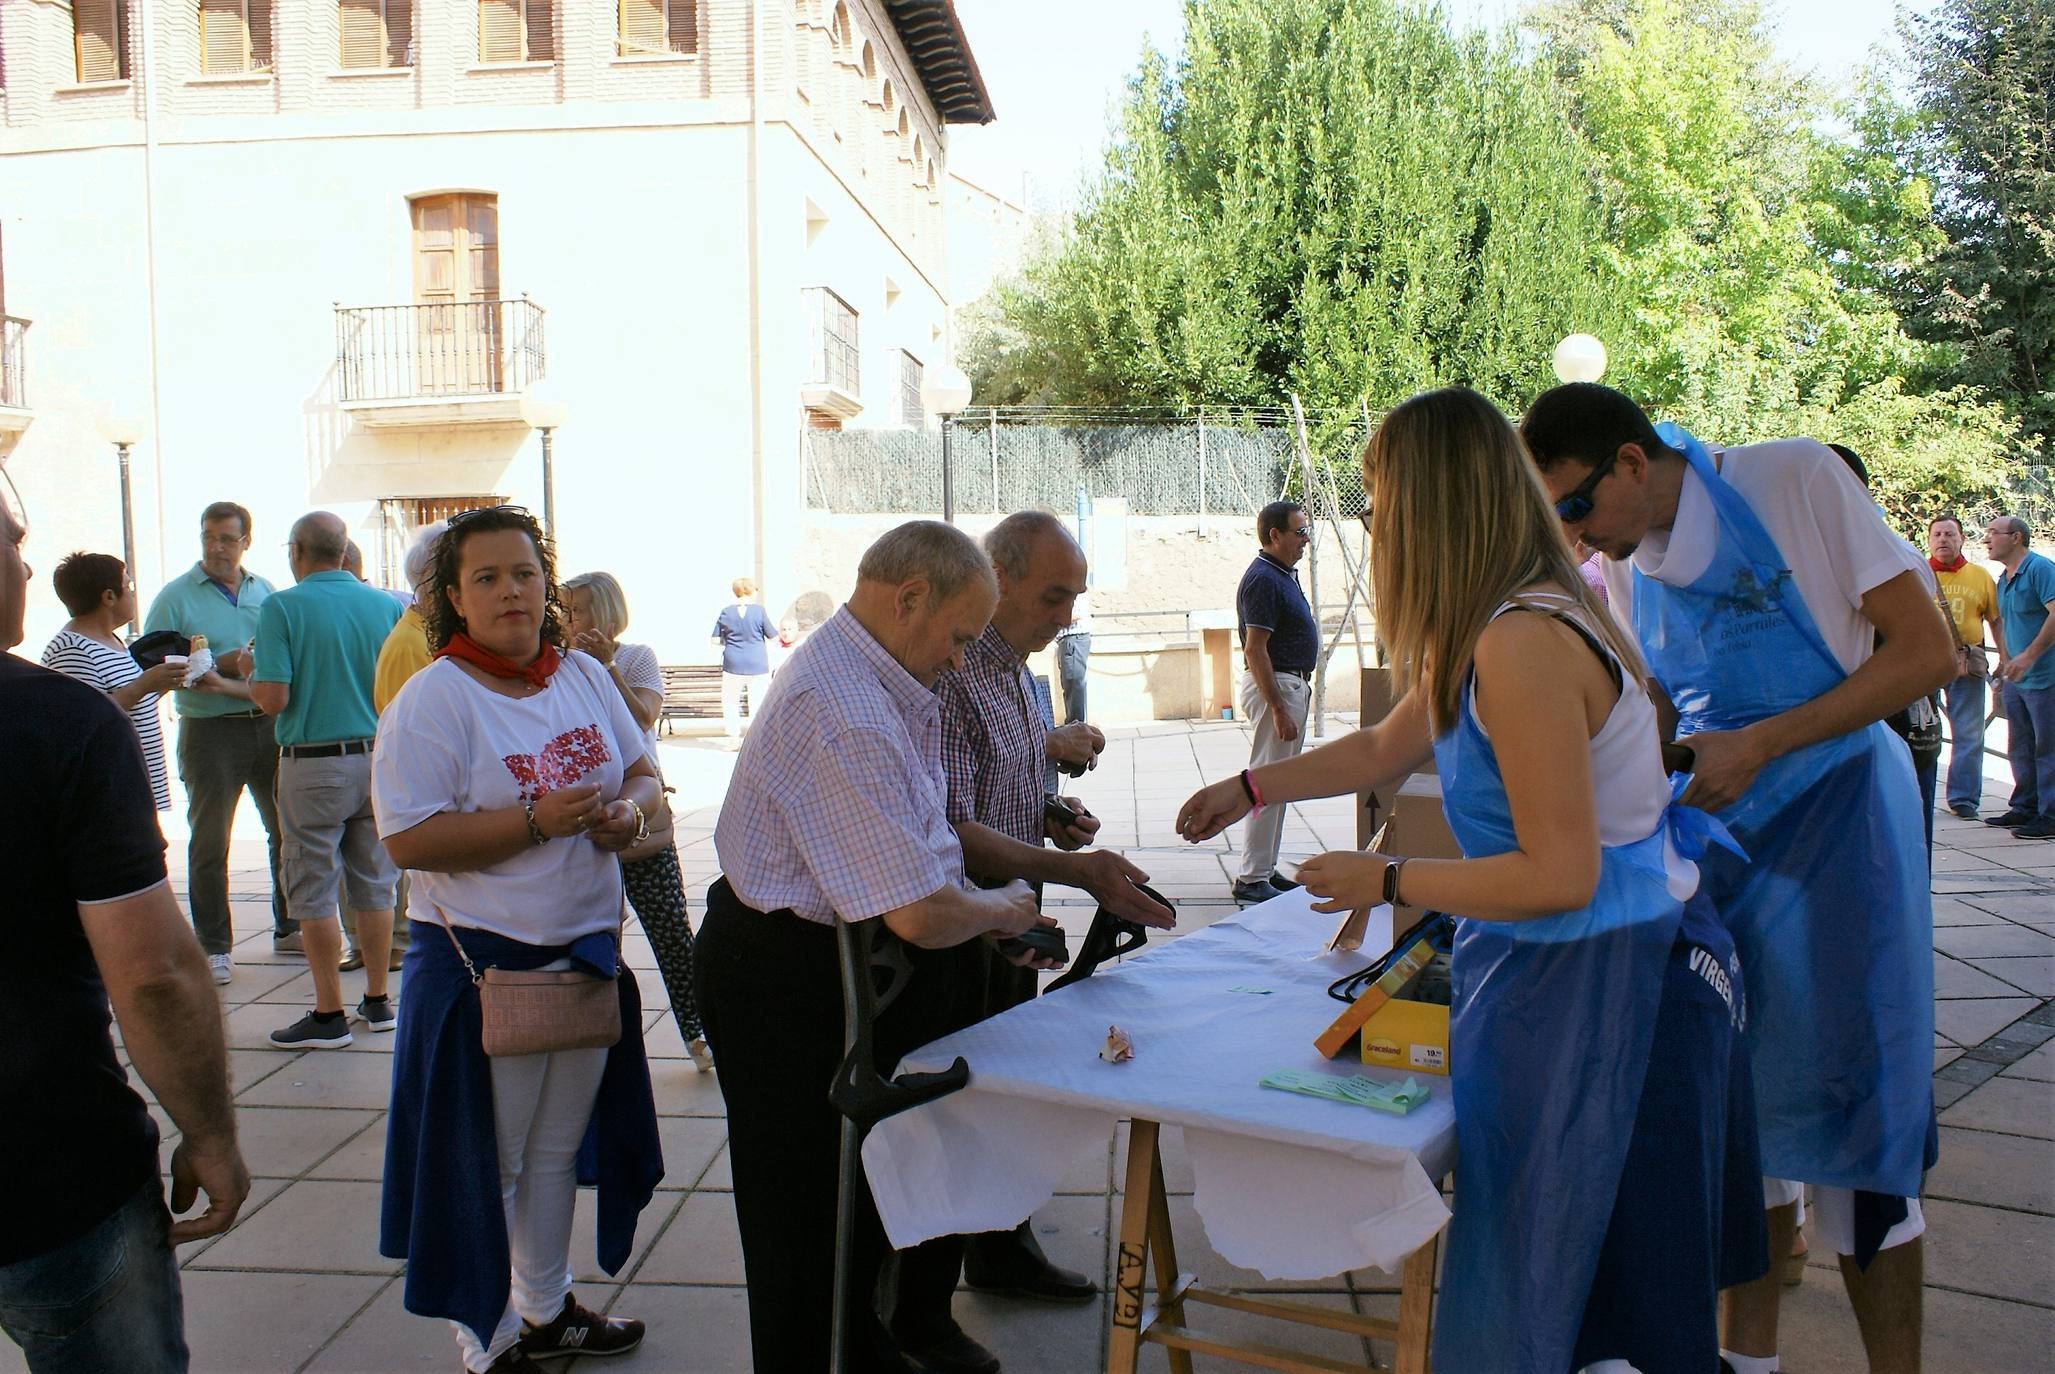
[456, 289]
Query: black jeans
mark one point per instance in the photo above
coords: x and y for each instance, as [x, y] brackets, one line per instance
[770, 993]
[219, 756]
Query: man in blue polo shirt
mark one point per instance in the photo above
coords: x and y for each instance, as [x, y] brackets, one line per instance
[224, 743]
[317, 654]
[1279, 646]
[2026, 677]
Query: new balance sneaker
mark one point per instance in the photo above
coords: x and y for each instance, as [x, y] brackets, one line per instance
[377, 1013]
[222, 966]
[578, 1330]
[513, 1360]
[315, 1032]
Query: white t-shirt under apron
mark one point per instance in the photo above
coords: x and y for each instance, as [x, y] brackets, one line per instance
[449, 743]
[1830, 532]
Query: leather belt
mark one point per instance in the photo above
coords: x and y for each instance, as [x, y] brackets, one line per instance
[325, 751]
[1302, 674]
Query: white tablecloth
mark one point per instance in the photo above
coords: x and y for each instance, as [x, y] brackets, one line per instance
[1292, 1186]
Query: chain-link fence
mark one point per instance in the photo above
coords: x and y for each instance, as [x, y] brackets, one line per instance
[1198, 463]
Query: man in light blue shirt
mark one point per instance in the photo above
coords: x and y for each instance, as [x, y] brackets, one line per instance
[224, 743]
[2026, 677]
[317, 653]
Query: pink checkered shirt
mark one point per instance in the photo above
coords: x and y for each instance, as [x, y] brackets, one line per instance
[994, 740]
[838, 803]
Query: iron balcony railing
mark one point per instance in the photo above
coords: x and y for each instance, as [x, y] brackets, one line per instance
[418, 352]
[14, 347]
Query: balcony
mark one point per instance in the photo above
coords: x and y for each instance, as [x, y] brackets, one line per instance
[15, 414]
[438, 366]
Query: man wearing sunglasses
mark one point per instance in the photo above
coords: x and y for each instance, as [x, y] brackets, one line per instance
[1280, 644]
[1782, 621]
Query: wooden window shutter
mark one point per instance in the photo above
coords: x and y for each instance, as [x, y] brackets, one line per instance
[643, 28]
[499, 30]
[363, 34]
[683, 23]
[538, 18]
[399, 33]
[260, 34]
[97, 34]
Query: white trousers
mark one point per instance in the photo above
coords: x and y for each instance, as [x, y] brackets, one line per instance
[1262, 835]
[540, 1106]
[1833, 1214]
[731, 699]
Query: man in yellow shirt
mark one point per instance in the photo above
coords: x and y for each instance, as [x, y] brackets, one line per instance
[1972, 599]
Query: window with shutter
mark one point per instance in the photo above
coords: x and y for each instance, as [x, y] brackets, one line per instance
[657, 28]
[911, 412]
[235, 36]
[499, 30]
[377, 33]
[100, 40]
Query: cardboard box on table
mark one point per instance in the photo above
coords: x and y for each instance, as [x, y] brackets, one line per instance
[1373, 808]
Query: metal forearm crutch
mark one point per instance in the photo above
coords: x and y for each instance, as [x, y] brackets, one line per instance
[864, 1098]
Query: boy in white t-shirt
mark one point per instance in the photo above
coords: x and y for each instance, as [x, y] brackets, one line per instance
[1782, 619]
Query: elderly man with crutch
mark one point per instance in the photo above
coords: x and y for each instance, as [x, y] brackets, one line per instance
[836, 817]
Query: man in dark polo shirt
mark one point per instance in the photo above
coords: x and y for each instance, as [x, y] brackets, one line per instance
[88, 1277]
[1280, 644]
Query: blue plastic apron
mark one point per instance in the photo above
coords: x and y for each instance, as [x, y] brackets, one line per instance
[1831, 915]
[1548, 1045]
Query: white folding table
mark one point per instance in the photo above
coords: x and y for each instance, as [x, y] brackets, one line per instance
[1289, 1185]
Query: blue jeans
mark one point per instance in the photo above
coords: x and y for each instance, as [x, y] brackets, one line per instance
[2030, 745]
[1966, 706]
[108, 1300]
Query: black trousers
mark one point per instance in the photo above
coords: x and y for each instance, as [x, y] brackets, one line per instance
[770, 994]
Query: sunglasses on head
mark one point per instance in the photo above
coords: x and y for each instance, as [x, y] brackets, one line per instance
[1576, 504]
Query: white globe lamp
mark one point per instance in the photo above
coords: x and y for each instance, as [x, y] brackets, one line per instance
[1580, 358]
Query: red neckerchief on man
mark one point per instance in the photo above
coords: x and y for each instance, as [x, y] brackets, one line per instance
[1953, 565]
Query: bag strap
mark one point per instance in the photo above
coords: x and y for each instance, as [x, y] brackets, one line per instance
[469, 967]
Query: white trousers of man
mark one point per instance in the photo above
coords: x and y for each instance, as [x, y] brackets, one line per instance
[1265, 832]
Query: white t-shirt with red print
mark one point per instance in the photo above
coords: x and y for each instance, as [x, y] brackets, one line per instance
[449, 743]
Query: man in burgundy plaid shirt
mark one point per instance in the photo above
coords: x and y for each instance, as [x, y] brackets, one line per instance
[996, 748]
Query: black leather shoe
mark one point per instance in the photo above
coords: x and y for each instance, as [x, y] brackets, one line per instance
[2010, 819]
[948, 1350]
[1282, 883]
[1011, 1263]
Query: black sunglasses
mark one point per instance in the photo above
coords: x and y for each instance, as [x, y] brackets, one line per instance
[1576, 504]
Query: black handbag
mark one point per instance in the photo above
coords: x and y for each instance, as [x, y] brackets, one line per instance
[153, 648]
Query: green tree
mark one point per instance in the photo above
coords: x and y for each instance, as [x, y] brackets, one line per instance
[1984, 74]
[1336, 197]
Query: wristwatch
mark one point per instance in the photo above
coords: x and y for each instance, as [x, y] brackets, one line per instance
[1391, 880]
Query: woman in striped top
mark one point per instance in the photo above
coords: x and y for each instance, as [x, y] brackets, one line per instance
[95, 588]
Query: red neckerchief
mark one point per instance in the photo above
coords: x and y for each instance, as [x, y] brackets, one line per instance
[1938, 566]
[468, 650]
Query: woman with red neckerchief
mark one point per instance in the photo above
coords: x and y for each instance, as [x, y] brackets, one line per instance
[509, 775]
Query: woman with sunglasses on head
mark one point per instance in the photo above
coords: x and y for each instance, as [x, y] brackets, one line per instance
[509, 775]
[1600, 1104]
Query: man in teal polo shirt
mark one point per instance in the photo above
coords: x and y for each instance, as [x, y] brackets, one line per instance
[317, 654]
[2026, 677]
[224, 743]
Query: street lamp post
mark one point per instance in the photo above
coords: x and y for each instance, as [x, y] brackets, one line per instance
[125, 433]
[946, 392]
[546, 414]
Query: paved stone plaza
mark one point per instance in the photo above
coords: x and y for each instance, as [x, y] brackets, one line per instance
[299, 1284]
